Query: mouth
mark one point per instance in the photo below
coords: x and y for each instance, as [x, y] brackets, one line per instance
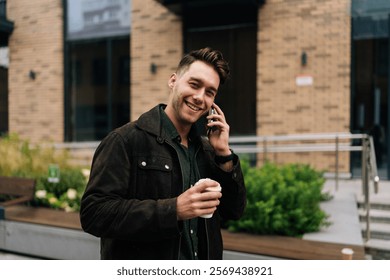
[193, 107]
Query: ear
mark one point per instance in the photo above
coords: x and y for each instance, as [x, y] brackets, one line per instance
[172, 80]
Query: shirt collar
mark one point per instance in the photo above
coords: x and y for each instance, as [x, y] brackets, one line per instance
[171, 130]
[168, 126]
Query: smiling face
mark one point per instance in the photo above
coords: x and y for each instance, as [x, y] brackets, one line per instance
[192, 94]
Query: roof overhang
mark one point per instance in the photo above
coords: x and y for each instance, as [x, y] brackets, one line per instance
[179, 6]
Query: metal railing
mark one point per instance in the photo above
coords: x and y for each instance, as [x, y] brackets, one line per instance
[266, 145]
[336, 142]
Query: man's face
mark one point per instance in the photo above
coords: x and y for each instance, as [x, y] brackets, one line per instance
[192, 93]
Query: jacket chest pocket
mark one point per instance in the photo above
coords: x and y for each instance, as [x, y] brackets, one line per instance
[154, 177]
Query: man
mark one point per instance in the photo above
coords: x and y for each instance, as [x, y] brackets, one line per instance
[142, 198]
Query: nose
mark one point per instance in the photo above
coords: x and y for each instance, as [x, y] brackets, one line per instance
[199, 95]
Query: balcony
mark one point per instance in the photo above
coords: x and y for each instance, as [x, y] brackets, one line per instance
[6, 26]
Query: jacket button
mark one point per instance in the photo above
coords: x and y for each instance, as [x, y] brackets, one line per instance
[160, 139]
[167, 166]
[143, 163]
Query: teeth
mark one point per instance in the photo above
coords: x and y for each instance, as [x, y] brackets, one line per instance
[192, 107]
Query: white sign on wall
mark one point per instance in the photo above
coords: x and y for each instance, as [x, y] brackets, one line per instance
[304, 80]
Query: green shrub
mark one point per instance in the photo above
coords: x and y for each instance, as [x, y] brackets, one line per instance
[282, 200]
[21, 159]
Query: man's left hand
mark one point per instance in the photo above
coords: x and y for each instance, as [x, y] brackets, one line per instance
[219, 132]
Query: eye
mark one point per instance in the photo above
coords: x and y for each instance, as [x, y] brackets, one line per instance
[211, 93]
[194, 85]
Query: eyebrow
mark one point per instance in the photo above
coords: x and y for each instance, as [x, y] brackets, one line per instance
[202, 82]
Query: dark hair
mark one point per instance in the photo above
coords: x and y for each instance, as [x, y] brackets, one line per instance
[209, 56]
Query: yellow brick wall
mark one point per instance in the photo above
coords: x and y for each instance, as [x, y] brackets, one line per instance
[321, 29]
[36, 106]
[286, 28]
[156, 37]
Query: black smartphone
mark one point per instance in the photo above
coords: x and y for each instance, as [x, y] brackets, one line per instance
[212, 111]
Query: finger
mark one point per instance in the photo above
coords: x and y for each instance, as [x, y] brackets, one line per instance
[202, 184]
[216, 119]
[217, 124]
[207, 204]
[218, 110]
[218, 115]
[205, 196]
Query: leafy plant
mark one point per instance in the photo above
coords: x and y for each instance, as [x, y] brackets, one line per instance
[19, 158]
[282, 200]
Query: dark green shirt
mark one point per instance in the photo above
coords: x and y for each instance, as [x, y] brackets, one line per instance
[189, 239]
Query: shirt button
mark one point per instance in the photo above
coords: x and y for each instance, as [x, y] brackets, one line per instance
[143, 163]
[195, 254]
[167, 166]
[192, 232]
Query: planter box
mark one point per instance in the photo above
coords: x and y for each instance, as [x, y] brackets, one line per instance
[287, 247]
[55, 234]
[48, 242]
[46, 233]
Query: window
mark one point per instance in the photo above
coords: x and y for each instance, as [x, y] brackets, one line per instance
[97, 80]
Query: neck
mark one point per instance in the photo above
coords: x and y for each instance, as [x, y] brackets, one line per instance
[183, 132]
[184, 142]
[182, 129]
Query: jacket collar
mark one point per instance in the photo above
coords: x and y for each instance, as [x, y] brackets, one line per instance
[150, 121]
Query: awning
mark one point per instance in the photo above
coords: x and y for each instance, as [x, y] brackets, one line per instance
[178, 6]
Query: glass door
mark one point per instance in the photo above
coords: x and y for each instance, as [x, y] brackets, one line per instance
[370, 97]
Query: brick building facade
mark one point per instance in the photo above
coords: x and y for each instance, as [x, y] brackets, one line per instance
[297, 41]
[321, 31]
[36, 70]
[156, 37]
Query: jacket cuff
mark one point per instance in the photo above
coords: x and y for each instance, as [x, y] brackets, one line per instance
[167, 216]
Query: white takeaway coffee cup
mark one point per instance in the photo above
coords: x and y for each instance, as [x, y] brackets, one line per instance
[209, 189]
[347, 253]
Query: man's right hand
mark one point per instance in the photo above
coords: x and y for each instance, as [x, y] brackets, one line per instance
[196, 201]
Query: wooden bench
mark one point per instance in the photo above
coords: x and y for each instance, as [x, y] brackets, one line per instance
[22, 190]
[43, 216]
[275, 246]
[39, 231]
[287, 247]
[19, 190]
